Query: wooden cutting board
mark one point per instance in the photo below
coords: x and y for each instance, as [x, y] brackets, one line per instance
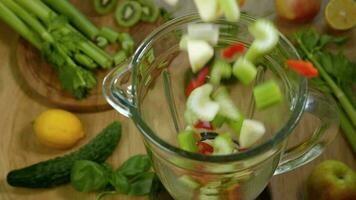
[19, 147]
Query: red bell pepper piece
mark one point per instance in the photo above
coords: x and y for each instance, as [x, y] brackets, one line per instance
[204, 125]
[303, 68]
[230, 52]
[205, 148]
[198, 81]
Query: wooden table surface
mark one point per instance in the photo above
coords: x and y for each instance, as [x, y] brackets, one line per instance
[19, 147]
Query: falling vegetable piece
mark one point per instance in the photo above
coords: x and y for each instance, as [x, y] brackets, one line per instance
[204, 125]
[223, 144]
[204, 31]
[218, 121]
[187, 141]
[220, 69]
[198, 81]
[231, 10]
[236, 125]
[103, 7]
[227, 107]
[267, 94]
[244, 70]
[230, 52]
[200, 103]
[251, 132]
[266, 38]
[199, 53]
[205, 148]
[128, 13]
[208, 9]
[303, 68]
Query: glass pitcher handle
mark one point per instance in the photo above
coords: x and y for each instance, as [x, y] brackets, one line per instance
[325, 109]
[117, 88]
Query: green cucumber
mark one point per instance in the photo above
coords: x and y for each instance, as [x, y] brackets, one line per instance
[103, 7]
[188, 141]
[220, 69]
[267, 94]
[227, 107]
[57, 171]
[244, 70]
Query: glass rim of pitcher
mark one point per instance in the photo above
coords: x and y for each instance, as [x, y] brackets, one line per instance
[254, 151]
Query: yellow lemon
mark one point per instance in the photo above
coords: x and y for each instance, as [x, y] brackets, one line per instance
[58, 128]
[341, 14]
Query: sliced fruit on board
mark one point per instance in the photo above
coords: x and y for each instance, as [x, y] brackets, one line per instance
[341, 14]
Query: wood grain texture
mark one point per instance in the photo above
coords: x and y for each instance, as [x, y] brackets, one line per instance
[19, 147]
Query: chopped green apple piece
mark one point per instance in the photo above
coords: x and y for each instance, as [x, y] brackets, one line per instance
[223, 144]
[227, 107]
[204, 31]
[244, 70]
[187, 141]
[189, 181]
[200, 103]
[266, 38]
[251, 132]
[267, 94]
[208, 9]
[236, 125]
[184, 43]
[231, 9]
[220, 69]
[199, 53]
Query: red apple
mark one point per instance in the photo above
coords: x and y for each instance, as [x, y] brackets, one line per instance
[332, 180]
[297, 10]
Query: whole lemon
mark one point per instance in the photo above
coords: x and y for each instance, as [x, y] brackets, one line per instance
[58, 128]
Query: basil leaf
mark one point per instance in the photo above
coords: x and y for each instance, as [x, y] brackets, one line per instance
[120, 182]
[88, 176]
[135, 165]
[142, 184]
[156, 188]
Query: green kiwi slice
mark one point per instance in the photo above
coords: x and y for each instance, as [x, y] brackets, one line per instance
[150, 11]
[128, 13]
[103, 7]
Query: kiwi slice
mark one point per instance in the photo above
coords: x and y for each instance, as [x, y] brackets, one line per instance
[128, 13]
[150, 11]
[104, 6]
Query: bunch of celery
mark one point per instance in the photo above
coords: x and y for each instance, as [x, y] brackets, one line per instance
[66, 39]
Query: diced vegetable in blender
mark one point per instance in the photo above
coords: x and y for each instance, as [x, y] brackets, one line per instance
[236, 125]
[187, 141]
[251, 132]
[266, 38]
[223, 144]
[205, 148]
[303, 68]
[208, 9]
[190, 118]
[204, 31]
[198, 81]
[267, 94]
[227, 107]
[200, 103]
[229, 53]
[220, 69]
[218, 121]
[231, 9]
[199, 53]
[244, 70]
[204, 125]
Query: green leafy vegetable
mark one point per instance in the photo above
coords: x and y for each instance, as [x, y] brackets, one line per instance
[88, 176]
[135, 165]
[141, 184]
[120, 182]
[337, 74]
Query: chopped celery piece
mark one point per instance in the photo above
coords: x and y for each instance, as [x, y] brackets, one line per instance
[187, 141]
[220, 69]
[245, 71]
[227, 107]
[223, 144]
[218, 121]
[267, 94]
[236, 125]
[231, 9]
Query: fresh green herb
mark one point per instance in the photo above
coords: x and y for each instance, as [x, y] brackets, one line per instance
[135, 165]
[88, 176]
[120, 182]
[337, 74]
[142, 184]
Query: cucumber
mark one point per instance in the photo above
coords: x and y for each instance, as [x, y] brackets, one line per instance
[56, 171]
